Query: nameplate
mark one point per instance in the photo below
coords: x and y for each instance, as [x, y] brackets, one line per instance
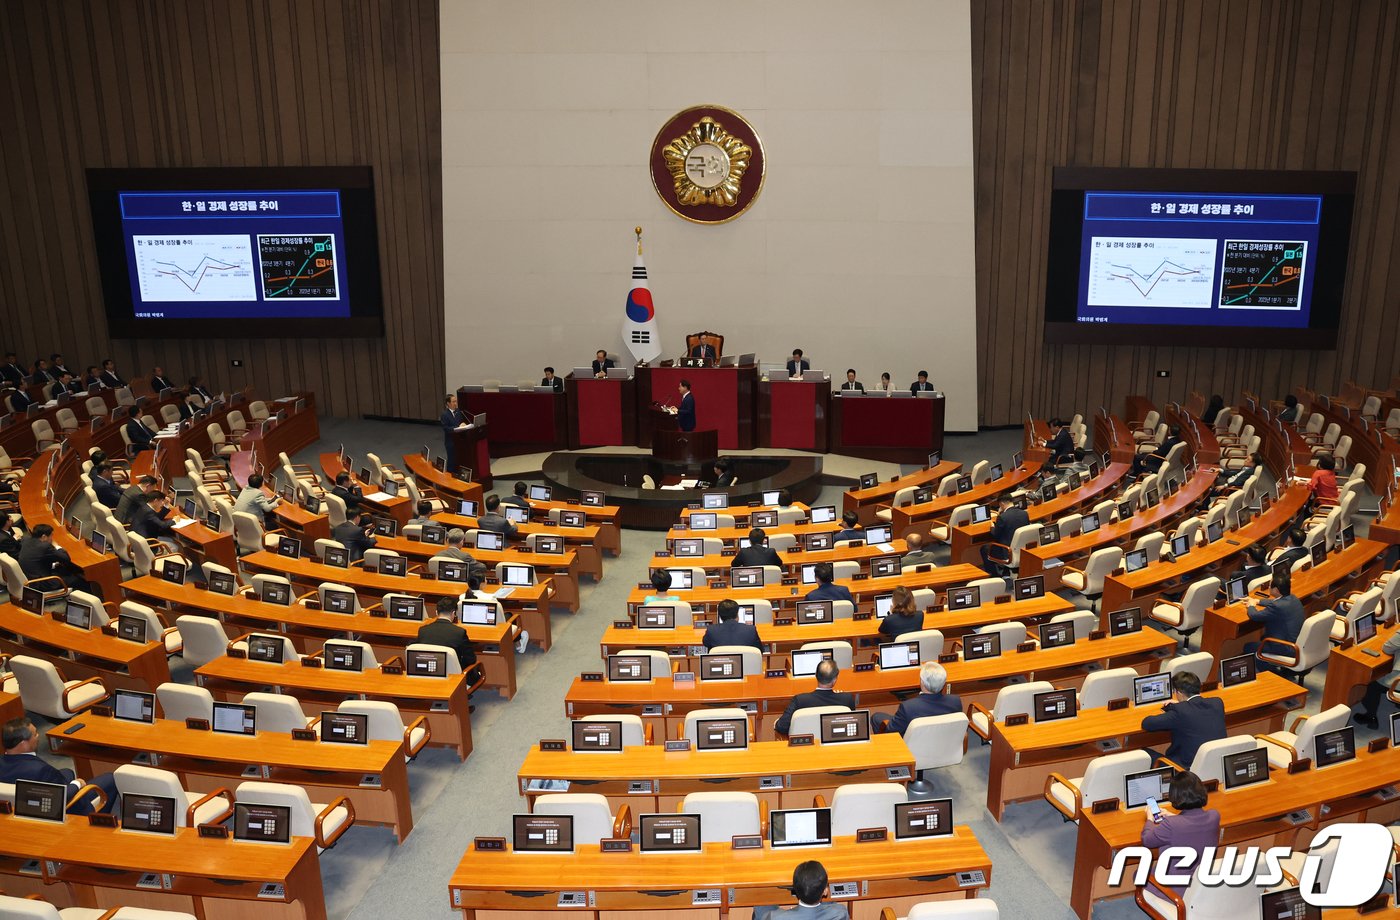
[1120, 703]
[746, 842]
[788, 581]
[303, 734]
[644, 585]
[948, 658]
[663, 554]
[7, 808]
[1103, 806]
[309, 662]
[553, 744]
[591, 677]
[378, 612]
[1210, 686]
[213, 832]
[1097, 635]
[692, 506]
[801, 740]
[105, 711]
[726, 553]
[934, 608]
[860, 576]
[199, 725]
[775, 672]
[622, 624]
[237, 653]
[1027, 646]
[1378, 903]
[678, 746]
[1301, 765]
[784, 621]
[871, 834]
[392, 669]
[1211, 785]
[615, 845]
[683, 677]
[1002, 599]
[1377, 745]
[1019, 718]
[102, 820]
[862, 616]
[681, 525]
[864, 666]
[490, 844]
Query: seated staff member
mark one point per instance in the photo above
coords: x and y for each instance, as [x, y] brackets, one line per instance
[917, 555]
[884, 386]
[19, 401]
[255, 500]
[1282, 615]
[809, 887]
[921, 385]
[551, 381]
[931, 701]
[346, 490]
[105, 486]
[195, 387]
[67, 381]
[729, 631]
[9, 537]
[721, 475]
[1008, 520]
[1191, 720]
[601, 363]
[798, 365]
[758, 552]
[1371, 699]
[451, 419]
[1323, 483]
[826, 590]
[851, 382]
[11, 371]
[21, 761]
[1193, 827]
[493, 520]
[824, 695]
[109, 376]
[904, 616]
[850, 527]
[356, 535]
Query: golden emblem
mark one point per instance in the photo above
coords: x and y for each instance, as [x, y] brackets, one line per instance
[707, 164]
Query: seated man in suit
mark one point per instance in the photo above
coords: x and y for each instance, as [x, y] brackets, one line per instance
[68, 382]
[1289, 412]
[109, 375]
[11, 371]
[917, 555]
[809, 887]
[518, 498]
[456, 540]
[1152, 462]
[1282, 615]
[851, 382]
[850, 527]
[729, 631]
[798, 364]
[1061, 443]
[601, 363]
[254, 500]
[494, 520]
[921, 385]
[21, 761]
[758, 552]
[42, 374]
[704, 351]
[106, 488]
[824, 695]
[39, 557]
[422, 513]
[825, 589]
[721, 474]
[142, 438]
[451, 418]
[1190, 718]
[685, 412]
[126, 507]
[1292, 548]
[58, 366]
[9, 537]
[148, 520]
[443, 630]
[19, 401]
[159, 381]
[1256, 565]
[931, 701]
[356, 534]
[1008, 519]
[197, 388]
[346, 490]
[549, 380]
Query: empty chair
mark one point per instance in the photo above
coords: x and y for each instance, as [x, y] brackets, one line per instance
[385, 723]
[219, 443]
[1012, 632]
[1089, 580]
[979, 472]
[961, 516]
[327, 586]
[1154, 543]
[782, 542]
[1200, 902]
[660, 661]
[44, 438]
[772, 574]
[1103, 779]
[237, 424]
[840, 651]
[808, 720]
[974, 909]
[248, 533]
[1015, 699]
[257, 410]
[1187, 615]
[170, 414]
[43, 689]
[634, 733]
[1085, 622]
[192, 808]
[67, 421]
[1198, 663]
[368, 660]
[203, 637]
[902, 498]
[1308, 652]
[937, 741]
[12, 908]
[930, 641]
[1102, 686]
[593, 816]
[325, 823]
[988, 589]
[855, 806]
[1298, 743]
[1147, 428]
[691, 733]
[51, 586]
[726, 815]
[751, 657]
[1344, 624]
[277, 712]
[179, 702]
[156, 630]
[948, 485]
[1209, 762]
[289, 650]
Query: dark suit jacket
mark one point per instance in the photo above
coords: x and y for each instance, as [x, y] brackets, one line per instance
[817, 697]
[518, 501]
[1006, 524]
[725, 479]
[1061, 445]
[853, 385]
[497, 523]
[925, 704]
[732, 632]
[13, 373]
[41, 560]
[756, 555]
[107, 492]
[352, 538]
[1238, 478]
[829, 592]
[707, 352]
[9, 543]
[161, 383]
[41, 377]
[351, 495]
[110, 379]
[917, 387]
[142, 438]
[147, 523]
[599, 368]
[1191, 723]
[438, 631]
[473, 566]
[792, 367]
[20, 400]
[557, 383]
[1290, 555]
[33, 768]
[450, 419]
[127, 503]
[897, 624]
[850, 533]
[685, 415]
[1282, 617]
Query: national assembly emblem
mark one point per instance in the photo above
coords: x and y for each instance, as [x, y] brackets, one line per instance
[707, 164]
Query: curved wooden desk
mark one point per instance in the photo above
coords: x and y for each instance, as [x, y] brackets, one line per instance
[940, 507]
[865, 502]
[83, 653]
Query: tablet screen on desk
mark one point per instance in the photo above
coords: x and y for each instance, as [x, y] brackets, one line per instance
[390, 487]
[816, 542]
[1319, 552]
[1395, 729]
[516, 514]
[981, 514]
[130, 628]
[337, 556]
[1050, 533]
[1181, 545]
[688, 547]
[597, 737]
[746, 576]
[629, 667]
[519, 576]
[289, 547]
[386, 527]
[1052, 705]
[670, 833]
[883, 605]
[721, 734]
[1237, 670]
[419, 662]
[929, 818]
[489, 539]
[884, 567]
[805, 661]
[763, 519]
[714, 501]
[896, 655]
[393, 565]
[923, 494]
[1214, 531]
[40, 801]
[1287, 904]
[541, 493]
[703, 520]
[148, 814]
[724, 666]
[134, 706]
[981, 645]
[1245, 768]
[1125, 621]
[869, 480]
[879, 533]
[964, 484]
[823, 514]
[275, 592]
[467, 508]
[1135, 560]
[1149, 784]
[265, 648]
[1029, 588]
[746, 613]
[845, 727]
[681, 578]
[1055, 635]
[1365, 627]
[549, 545]
[434, 534]
[1335, 747]
[571, 518]
[342, 657]
[1236, 589]
[262, 823]
[1126, 509]
[964, 598]
[337, 601]
[1152, 688]
[1089, 523]
[405, 608]
[810, 612]
[809, 574]
[451, 570]
[235, 719]
[172, 571]
[592, 499]
[651, 617]
[344, 727]
[478, 613]
[77, 614]
[800, 827]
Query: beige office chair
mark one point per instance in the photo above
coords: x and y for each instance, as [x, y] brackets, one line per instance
[325, 823]
[277, 713]
[1016, 699]
[691, 732]
[385, 723]
[726, 815]
[156, 630]
[1298, 743]
[179, 702]
[808, 720]
[192, 808]
[44, 690]
[937, 741]
[204, 639]
[1103, 779]
[593, 816]
[856, 806]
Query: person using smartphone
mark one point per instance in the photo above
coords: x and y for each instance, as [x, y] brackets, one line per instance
[1194, 826]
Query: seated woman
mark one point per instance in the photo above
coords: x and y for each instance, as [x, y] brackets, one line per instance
[1193, 827]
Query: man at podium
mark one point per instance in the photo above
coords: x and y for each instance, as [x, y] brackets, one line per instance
[685, 414]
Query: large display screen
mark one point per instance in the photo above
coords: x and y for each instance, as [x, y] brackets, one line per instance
[204, 252]
[1187, 256]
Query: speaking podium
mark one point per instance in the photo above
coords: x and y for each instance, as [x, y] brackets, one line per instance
[671, 445]
[472, 449]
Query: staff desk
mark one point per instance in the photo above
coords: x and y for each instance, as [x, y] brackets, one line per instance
[619, 886]
[1112, 434]
[302, 523]
[193, 434]
[606, 517]
[1141, 588]
[888, 428]
[1024, 756]
[442, 701]
[398, 507]
[309, 627]
[689, 642]
[602, 412]
[562, 568]
[793, 560]
[741, 513]
[297, 432]
[1199, 437]
[102, 569]
[1350, 669]
[374, 776]
[769, 769]
[1371, 444]
[1387, 527]
[732, 535]
[525, 421]
[82, 865]
[1254, 815]
[865, 502]
[10, 707]
[862, 589]
[583, 539]
[1227, 629]
[1162, 517]
[446, 485]
[665, 704]
[793, 414]
[941, 506]
[83, 653]
[969, 538]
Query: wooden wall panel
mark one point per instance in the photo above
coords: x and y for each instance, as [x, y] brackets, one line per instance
[120, 83]
[1220, 84]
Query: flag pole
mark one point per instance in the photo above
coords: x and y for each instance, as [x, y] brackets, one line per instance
[639, 240]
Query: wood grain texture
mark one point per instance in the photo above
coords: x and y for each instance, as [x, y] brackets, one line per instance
[1218, 84]
[112, 83]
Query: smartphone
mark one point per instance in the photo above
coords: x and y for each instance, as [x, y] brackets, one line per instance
[1154, 809]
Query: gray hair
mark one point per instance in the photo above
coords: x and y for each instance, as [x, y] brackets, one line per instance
[932, 677]
[456, 536]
